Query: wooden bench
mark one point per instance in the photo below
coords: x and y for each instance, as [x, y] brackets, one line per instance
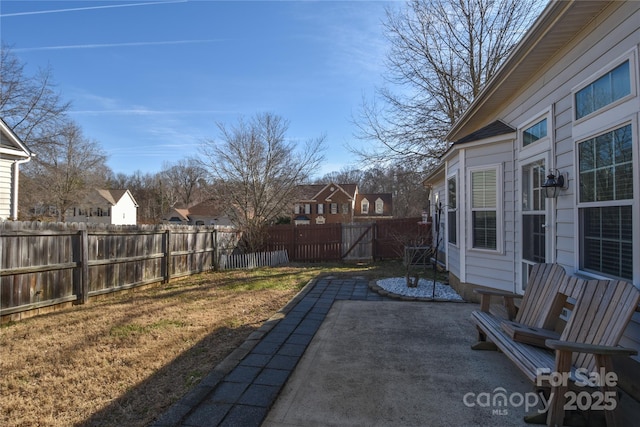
[540, 309]
[587, 343]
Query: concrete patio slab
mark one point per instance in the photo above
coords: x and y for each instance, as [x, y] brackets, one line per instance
[400, 364]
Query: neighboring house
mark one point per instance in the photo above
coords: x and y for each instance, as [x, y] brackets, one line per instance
[566, 103]
[205, 213]
[339, 203]
[117, 207]
[13, 152]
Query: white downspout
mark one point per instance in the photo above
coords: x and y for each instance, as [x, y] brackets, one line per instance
[16, 174]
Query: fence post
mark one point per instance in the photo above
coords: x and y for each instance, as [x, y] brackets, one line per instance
[167, 254]
[84, 267]
[294, 242]
[216, 260]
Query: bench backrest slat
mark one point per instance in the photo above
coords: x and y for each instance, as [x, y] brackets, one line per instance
[541, 304]
[600, 316]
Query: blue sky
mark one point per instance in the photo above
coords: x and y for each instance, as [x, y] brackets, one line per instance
[149, 80]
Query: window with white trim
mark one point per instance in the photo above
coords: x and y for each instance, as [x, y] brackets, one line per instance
[605, 203]
[614, 85]
[484, 209]
[379, 206]
[333, 208]
[452, 210]
[534, 132]
[364, 206]
[320, 209]
[307, 208]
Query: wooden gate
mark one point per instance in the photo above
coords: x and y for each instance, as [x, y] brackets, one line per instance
[357, 241]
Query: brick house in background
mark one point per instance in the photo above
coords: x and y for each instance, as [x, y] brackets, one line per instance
[339, 203]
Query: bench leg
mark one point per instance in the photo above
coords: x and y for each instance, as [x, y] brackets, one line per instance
[609, 414]
[482, 343]
[555, 416]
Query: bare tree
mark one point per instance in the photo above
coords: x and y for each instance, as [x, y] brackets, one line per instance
[150, 191]
[404, 183]
[29, 104]
[186, 178]
[64, 171]
[255, 170]
[346, 175]
[442, 53]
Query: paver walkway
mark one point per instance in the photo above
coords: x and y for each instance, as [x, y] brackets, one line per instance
[240, 391]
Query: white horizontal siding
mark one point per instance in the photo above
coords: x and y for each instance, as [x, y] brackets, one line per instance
[606, 39]
[489, 268]
[5, 188]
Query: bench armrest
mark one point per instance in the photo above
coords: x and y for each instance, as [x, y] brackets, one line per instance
[577, 347]
[496, 293]
[507, 300]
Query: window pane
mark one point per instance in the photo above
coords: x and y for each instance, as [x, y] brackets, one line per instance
[622, 148]
[484, 230]
[601, 92]
[604, 184]
[452, 220]
[451, 188]
[604, 150]
[608, 174]
[584, 102]
[483, 189]
[621, 81]
[606, 240]
[533, 236]
[534, 133]
[587, 187]
[610, 223]
[607, 89]
[624, 182]
[587, 158]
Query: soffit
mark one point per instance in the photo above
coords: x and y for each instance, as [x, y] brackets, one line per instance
[557, 26]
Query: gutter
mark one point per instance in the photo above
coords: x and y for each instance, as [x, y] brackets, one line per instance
[16, 175]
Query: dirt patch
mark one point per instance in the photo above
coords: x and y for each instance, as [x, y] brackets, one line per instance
[124, 359]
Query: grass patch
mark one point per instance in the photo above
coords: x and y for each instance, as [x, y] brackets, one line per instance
[126, 358]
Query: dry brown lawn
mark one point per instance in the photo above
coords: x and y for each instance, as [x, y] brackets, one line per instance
[124, 359]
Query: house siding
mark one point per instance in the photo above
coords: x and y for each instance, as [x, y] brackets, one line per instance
[453, 250]
[124, 212]
[6, 178]
[491, 268]
[614, 33]
[608, 38]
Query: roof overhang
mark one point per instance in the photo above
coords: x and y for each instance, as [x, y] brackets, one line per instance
[558, 24]
[20, 149]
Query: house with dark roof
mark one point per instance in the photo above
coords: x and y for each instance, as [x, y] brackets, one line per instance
[13, 152]
[116, 207]
[339, 203]
[204, 213]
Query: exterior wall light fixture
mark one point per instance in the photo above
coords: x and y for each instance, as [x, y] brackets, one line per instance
[554, 183]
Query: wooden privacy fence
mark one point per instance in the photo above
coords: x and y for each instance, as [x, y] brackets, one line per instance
[47, 264]
[349, 242]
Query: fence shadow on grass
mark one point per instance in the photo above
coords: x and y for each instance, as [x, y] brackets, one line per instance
[148, 400]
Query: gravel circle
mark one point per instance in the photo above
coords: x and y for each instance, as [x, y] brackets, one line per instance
[397, 286]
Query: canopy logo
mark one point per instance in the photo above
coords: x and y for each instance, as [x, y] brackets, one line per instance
[499, 401]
